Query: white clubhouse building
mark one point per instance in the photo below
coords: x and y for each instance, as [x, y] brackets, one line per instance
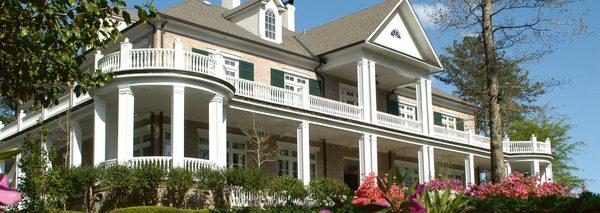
[344, 99]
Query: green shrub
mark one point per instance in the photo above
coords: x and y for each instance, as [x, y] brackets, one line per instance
[117, 180]
[157, 209]
[179, 181]
[586, 202]
[147, 179]
[254, 180]
[212, 181]
[82, 182]
[287, 189]
[329, 193]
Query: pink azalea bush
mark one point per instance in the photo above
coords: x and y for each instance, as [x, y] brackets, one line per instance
[516, 185]
[369, 193]
[439, 184]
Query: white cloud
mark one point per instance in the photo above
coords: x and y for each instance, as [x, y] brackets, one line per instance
[425, 12]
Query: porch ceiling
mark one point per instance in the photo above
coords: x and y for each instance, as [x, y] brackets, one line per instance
[387, 79]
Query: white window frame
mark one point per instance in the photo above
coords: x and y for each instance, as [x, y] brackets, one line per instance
[230, 68]
[449, 121]
[291, 160]
[231, 152]
[294, 82]
[139, 143]
[344, 97]
[404, 110]
[270, 32]
[203, 143]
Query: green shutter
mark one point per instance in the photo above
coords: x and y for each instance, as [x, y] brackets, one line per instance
[199, 51]
[393, 107]
[460, 124]
[277, 78]
[437, 118]
[314, 87]
[246, 70]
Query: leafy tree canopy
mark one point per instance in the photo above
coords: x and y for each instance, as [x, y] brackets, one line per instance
[464, 63]
[548, 125]
[42, 44]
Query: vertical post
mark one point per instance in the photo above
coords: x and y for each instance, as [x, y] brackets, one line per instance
[305, 98]
[217, 131]
[303, 149]
[2, 167]
[20, 117]
[76, 144]
[470, 136]
[506, 144]
[469, 169]
[534, 167]
[125, 51]
[178, 125]
[179, 60]
[431, 159]
[547, 141]
[17, 171]
[508, 168]
[219, 65]
[99, 131]
[424, 104]
[367, 89]
[367, 155]
[534, 143]
[549, 175]
[97, 58]
[423, 164]
[125, 124]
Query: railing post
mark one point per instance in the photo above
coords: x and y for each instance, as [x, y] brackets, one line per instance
[179, 61]
[20, 117]
[549, 145]
[125, 52]
[97, 58]
[506, 143]
[219, 65]
[470, 137]
[534, 143]
[305, 98]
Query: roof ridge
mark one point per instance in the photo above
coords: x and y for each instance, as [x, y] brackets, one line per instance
[351, 14]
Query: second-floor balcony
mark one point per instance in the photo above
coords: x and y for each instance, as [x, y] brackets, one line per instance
[176, 59]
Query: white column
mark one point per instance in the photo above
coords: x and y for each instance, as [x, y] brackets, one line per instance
[178, 125]
[17, 171]
[367, 147]
[97, 58]
[367, 89]
[470, 169]
[179, 62]
[76, 144]
[125, 124]
[20, 117]
[99, 130]
[217, 131]
[431, 159]
[549, 175]
[125, 59]
[303, 149]
[2, 167]
[507, 168]
[534, 143]
[424, 104]
[423, 164]
[534, 167]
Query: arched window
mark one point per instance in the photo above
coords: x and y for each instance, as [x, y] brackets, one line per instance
[270, 24]
[396, 33]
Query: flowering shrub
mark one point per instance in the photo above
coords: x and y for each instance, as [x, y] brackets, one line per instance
[368, 193]
[438, 184]
[518, 186]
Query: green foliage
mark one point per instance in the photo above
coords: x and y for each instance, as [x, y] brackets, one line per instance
[34, 183]
[179, 181]
[287, 189]
[43, 42]
[441, 202]
[254, 180]
[329, 193]
[214, 182]
[157, 209]
[586, 202]
[147, 179]
[464, 63]
[117, 180]
[556, 128]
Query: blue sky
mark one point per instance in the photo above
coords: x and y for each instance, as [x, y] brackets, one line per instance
[577, 61]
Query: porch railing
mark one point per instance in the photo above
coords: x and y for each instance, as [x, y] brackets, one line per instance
[397, 122]
[165, 162]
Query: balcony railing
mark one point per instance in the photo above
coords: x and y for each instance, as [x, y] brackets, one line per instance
[397, 122]
[165, 162]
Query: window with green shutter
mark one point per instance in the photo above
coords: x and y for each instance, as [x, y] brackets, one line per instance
[437, 119]
[277, 79]
[460, 124]
[314, 87]
[393, 107]
[199, 51]
[246, 70]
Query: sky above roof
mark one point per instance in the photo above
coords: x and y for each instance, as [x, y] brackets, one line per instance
[577, 62]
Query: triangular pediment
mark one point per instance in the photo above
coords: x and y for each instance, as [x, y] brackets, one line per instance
[401, 31]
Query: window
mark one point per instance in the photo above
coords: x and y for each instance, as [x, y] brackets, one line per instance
[231, 67]
[287, 163]
[202, 144]
[236, 156]
[294, 83]
[407, 111]
[396, 33]
[270, 24]
[408, 168]
[142, 145]
[449, 121]
[348, 94]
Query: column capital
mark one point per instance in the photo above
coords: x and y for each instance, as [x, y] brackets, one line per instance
[123, 89]
[218, 98]
[178, 88]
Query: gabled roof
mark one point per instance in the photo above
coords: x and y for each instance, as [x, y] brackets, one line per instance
[348, 30]
[240, 8]
[211, 17]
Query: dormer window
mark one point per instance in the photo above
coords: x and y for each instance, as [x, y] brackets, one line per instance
[396, 33]
[270, 30]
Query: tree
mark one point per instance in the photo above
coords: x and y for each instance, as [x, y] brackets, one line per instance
[260, 144]
[43, 45]
[33, 184]
[528, 28]
[556, 128]
[464, 64]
